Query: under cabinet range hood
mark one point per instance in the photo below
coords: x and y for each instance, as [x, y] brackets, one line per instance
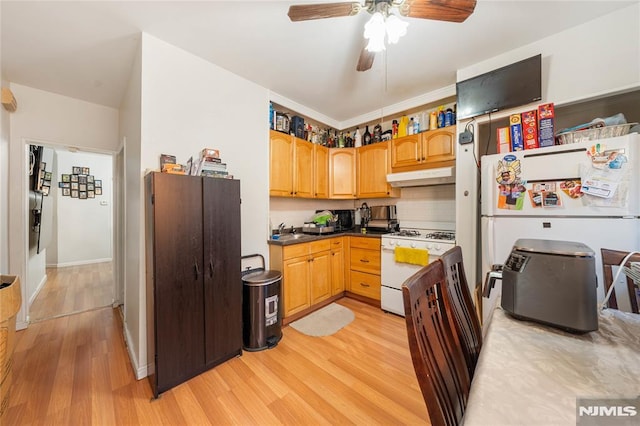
[437, 176]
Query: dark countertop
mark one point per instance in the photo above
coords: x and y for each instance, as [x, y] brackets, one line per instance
[306, 238]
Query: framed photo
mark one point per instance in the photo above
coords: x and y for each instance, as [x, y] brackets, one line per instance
[66, 178]
[90, 179]
[74, 177]
[66, 192]
[98, 183]
[85, 171]
[90, 187]
[74, 185]
[45, 190]
[60, 184]
[83, 187]
[91, 194]
[43, 165]
[41, 174]
[47, 176]
[65, 184]
[46, 183]
[74, 193]
[98, 190]
[76, 170]
[82, 194]
[82, 178]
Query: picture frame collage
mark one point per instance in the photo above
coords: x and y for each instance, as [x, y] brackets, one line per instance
[80, 183]
[44, 179]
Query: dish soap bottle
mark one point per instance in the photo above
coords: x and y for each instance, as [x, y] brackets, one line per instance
[402, 127]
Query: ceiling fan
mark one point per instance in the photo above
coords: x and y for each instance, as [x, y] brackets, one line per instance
[439, 10]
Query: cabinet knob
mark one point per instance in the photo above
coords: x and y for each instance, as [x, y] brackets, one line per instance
[364, 285]
[364, 260]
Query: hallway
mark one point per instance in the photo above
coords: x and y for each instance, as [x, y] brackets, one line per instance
[74, 289]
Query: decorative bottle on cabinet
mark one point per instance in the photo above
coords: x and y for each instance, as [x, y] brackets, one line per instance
[194, 291]
[357, 139]
[366, 139]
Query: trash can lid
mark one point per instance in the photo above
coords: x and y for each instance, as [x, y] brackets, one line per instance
[262, 278]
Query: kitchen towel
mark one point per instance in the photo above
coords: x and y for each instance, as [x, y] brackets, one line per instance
[325, 321]
[413, 256]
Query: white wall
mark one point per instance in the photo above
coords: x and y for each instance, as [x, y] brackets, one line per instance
[587, 61]
[134, 288]
[50, 119]
[4, 188]
[84, 226]
[187, 104]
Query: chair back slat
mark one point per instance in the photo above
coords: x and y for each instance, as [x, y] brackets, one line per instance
[435, 347]
[466, 320]
[613, 258]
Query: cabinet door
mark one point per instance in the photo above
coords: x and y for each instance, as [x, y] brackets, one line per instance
[342, 173]
[178, 278]
[373, 166]
[222, 279]
[280, 164]
[406, 151]
[337, 271]
[439, 145]
[321, 178]
[320, 276]
[303, 173]
[296, 285]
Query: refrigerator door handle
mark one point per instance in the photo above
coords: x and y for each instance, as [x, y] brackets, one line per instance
[490, 280]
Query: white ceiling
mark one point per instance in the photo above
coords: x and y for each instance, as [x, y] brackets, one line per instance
[85, 49]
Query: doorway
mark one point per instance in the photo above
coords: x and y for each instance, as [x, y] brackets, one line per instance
[71, 268]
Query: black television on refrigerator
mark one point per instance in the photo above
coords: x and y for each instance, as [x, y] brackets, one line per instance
[513, 85]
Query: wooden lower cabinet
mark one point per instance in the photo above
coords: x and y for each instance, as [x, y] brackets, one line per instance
[364, 267]
[306, 274]
[337, 266]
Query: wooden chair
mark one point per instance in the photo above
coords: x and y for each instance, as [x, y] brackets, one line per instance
[466, 320]
[434, 345]
[613, 258]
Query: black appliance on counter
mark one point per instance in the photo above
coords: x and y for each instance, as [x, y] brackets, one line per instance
[345, 219]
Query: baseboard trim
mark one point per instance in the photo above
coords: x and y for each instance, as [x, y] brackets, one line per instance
[139, 371]
[38, 289]
[80, 262]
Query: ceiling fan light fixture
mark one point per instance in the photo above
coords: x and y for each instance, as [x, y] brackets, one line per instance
[375, 31]
[396, 28]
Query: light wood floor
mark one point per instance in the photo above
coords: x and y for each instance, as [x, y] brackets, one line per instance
[74, 289]
[75, 370]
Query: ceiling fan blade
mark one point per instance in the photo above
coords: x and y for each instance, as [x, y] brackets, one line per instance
[365, 61]
[439, 10]
[305, 12]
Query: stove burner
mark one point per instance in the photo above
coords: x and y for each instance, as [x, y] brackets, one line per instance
[441, 235]
[407, 233]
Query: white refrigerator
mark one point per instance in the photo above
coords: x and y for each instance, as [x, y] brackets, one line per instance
[585, 192]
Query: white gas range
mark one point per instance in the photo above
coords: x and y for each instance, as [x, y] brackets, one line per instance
[394, 273]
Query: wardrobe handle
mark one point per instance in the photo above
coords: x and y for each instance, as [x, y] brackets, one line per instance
[195, 267]
[210, 268]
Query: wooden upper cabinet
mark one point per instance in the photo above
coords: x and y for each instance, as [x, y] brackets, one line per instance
[373, 164]
[303, 170]
[321, 178]
[406, 151]
[439, 145]
[434, 148]
[280, 164]
[342, 173]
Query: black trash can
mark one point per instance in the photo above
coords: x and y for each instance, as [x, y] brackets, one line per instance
[261, 307]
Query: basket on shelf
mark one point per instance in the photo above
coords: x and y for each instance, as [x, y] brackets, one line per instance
[594, 134]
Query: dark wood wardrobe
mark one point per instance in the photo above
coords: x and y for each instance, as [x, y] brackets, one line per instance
[193, 280]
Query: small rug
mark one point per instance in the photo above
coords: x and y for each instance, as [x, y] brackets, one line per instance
[325, 321]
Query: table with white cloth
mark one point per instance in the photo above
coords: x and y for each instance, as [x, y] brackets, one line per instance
[532, 374]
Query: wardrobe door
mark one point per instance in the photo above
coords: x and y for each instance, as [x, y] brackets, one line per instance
[178, 278]
[222, 279]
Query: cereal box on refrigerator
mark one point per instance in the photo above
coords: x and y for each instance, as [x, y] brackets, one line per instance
[515, 125]
[504, 140]
[546, 115]
[530, 129]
